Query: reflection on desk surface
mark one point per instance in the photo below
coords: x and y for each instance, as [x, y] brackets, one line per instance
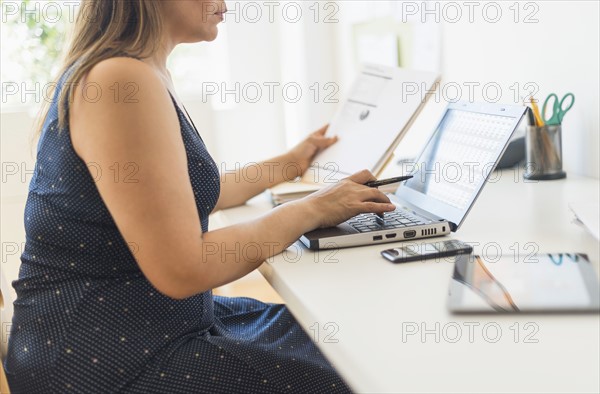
[537, 282]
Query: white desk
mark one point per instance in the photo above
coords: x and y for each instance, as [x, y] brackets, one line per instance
[371, 302]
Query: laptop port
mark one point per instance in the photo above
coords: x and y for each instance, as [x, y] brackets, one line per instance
[378, 238]
[410, 234]
[390, 235]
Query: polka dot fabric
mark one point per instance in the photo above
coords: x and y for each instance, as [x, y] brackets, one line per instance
[87, 320]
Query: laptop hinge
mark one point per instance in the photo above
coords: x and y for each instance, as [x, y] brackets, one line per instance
[453, 226]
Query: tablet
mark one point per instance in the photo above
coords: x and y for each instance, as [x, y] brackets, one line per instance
[533, 283]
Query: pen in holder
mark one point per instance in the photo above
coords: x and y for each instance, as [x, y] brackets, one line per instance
[543, 151]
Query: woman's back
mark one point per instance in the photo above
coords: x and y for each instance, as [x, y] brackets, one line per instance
[79, 283]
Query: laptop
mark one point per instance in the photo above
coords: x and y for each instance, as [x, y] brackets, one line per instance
[448, 176]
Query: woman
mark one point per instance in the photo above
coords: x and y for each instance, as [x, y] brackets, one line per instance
[114, 292]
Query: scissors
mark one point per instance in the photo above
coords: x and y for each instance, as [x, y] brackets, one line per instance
[558, 108]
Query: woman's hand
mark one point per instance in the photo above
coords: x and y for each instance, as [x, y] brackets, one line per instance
[302, 155]
[347, 198]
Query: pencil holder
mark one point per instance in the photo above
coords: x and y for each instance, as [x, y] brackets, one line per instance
[543, 152]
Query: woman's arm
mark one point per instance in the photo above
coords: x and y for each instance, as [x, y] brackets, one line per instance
[240, 185]
[156, 210]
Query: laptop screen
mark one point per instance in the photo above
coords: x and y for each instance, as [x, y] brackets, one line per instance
[459, 157]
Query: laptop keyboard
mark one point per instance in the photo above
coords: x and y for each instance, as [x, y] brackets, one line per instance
[367, 222]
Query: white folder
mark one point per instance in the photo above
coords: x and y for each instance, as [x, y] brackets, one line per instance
[380, 108]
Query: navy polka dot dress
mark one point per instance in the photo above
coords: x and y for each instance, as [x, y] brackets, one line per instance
[88, 321]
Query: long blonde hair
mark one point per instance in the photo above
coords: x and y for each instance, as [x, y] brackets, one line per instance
[105, 29]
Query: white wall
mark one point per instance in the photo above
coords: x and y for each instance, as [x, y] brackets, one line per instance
[558, 54]
[237, 129]
[248, 131]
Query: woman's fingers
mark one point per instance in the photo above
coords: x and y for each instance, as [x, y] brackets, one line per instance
[323, 142]
[350, 197]
[374, 201]
[322, 130]
[372, 194]
[376, 207]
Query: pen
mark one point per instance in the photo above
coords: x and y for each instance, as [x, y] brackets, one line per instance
[530, 117]
[388, 181]
[536, 113]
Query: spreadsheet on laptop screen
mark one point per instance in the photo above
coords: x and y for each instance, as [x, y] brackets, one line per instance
[460, 156]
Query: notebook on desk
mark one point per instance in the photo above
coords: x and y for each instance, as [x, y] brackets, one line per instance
[381, 107]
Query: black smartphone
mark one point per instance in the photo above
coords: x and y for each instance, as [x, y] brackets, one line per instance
[426, 251]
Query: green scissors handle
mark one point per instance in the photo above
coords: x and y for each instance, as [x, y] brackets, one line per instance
[558, 109]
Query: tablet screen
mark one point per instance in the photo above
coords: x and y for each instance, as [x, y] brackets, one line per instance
[542, 282]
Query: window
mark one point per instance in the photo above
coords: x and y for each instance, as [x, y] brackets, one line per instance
[33, 38]
[35, 34]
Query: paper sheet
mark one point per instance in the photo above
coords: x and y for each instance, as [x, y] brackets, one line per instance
[380, 108]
